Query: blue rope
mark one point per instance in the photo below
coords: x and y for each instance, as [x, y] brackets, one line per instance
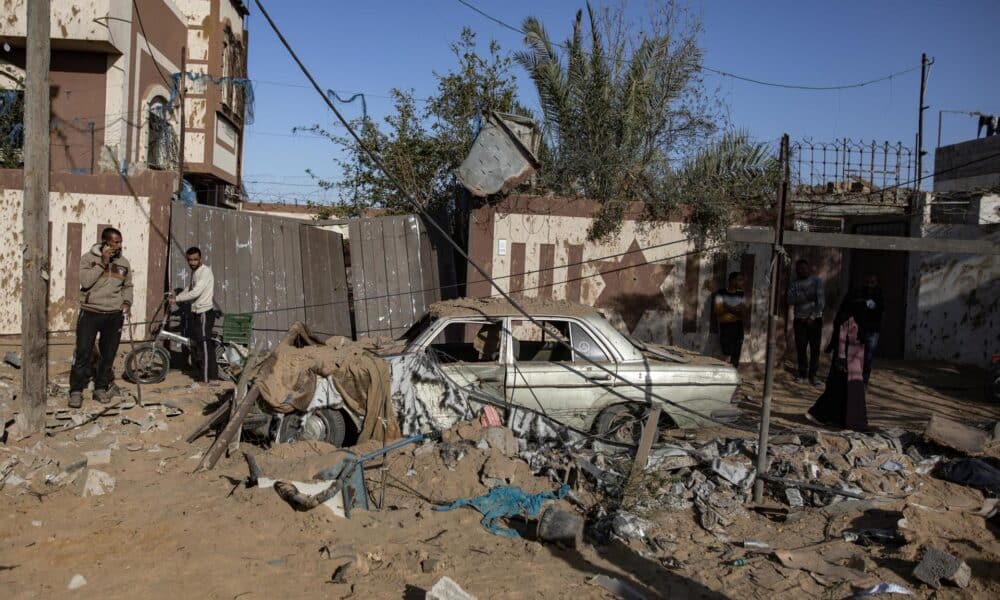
[506, 501]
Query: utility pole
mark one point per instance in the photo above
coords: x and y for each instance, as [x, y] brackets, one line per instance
[772, 322]
[925, 65]
[35, 219]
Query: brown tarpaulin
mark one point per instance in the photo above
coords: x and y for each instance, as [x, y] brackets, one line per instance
[287, 379]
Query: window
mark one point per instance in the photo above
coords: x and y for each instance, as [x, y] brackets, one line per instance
[161, 149]
[233, 66]
[532, 343]
[474, 342]
[11, 129]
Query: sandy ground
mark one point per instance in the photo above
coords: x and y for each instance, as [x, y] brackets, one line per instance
[166, 532]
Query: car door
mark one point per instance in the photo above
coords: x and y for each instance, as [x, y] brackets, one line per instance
[546, 376]
[470, 352]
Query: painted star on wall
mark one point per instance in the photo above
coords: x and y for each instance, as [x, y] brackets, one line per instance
[632, 285]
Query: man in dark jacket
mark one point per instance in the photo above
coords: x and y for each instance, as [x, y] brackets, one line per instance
[867, 304]
[807, 298]
[105, 299]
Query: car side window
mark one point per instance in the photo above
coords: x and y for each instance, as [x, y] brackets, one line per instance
[584, 345]
[472, 342]
[537, 344]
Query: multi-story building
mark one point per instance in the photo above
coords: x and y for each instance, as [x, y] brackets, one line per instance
[116, 112]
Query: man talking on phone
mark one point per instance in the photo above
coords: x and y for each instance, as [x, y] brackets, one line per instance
[105, 300]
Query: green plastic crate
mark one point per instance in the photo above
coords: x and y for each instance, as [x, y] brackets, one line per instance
[237, 329]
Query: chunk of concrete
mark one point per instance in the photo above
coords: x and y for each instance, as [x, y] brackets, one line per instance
[98, 483]
[937, 565]
[447, 589]
[502, 439]
[98, 457]
[957, 436]
[77, 582]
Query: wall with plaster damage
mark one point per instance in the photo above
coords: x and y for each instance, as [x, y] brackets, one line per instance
[76, 219]
[648, 280]
[953, 312]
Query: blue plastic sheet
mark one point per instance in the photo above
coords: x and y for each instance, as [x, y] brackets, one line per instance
[506, 501]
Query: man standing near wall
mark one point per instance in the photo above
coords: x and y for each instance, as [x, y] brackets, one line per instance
[202, 319]
[806, 296]
[730, 308]
[105, 299]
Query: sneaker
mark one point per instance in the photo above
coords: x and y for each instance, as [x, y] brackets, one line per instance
[75, 399]
[102, 396]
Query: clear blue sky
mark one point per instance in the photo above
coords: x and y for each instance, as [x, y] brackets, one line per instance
[375, 45]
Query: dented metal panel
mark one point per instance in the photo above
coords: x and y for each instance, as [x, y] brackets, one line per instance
[502, 156]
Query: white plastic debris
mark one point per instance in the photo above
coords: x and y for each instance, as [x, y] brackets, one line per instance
[77, 582]
[36, 523]
[98, 483]
[885, 588]
[732, 472]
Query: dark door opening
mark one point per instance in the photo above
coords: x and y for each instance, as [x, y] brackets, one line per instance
[890, 268]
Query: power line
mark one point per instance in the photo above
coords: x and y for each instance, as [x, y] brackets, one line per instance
[720, 71]
[152, 56]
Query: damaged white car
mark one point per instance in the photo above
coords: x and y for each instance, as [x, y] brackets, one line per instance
[598, 383]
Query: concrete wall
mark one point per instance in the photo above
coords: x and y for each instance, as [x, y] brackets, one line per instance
[953, 312]
[80, 207]
[970, 165]
[649, 280]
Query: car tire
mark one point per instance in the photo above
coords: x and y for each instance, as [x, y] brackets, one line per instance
[622, 423]
[322, 425]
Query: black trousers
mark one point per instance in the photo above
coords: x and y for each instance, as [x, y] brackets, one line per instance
[90, 325]
[808, 335]
[203, 348]
[731, 338]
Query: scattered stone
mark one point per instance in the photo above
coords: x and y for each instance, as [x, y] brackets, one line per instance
[98, 457]
[629, 526]
[431, 565]
[502, 439]
[957, 436]
[98, 483]
[733, 472]
[787, 439]
[937, 565]
[447, 589]
[36, 523]
[13, 359]
[77, 582]
[89, 433]
[794, 497]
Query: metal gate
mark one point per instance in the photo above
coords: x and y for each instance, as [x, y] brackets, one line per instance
[277, 269]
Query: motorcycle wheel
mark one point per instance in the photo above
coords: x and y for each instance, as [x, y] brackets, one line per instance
[148, 363]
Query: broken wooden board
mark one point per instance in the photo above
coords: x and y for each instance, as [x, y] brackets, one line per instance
[232, 429]
[221, 411]
[957, 436]
[811, 562]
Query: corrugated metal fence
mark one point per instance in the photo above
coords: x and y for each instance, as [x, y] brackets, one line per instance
[279, 269]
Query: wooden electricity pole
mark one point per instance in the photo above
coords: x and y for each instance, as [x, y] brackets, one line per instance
[181, 95]
[35, 218]
[772, 322]
[925, 65]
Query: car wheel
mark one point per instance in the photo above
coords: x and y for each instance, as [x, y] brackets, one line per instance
[321, 425]
[622, 423]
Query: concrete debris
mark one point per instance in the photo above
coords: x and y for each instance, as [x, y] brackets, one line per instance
[733, 472]
[937, 565]
[617, 587]
[957, 436]
[626, 526]
[98, 483]
[447, 589]
[794, 497]
[671, 458]
[98, 457]
[13, 359]
[502, 439]
[77, 582]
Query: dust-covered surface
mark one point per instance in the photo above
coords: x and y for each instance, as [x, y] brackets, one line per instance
[499, 307]
[161, 531]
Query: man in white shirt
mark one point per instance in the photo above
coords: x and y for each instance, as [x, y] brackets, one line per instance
[202, 320]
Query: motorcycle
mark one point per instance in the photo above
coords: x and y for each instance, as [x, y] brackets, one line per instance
[150, 362]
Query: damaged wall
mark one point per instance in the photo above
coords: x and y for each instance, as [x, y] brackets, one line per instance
[652, 284]
[953, 312]
[80, 206]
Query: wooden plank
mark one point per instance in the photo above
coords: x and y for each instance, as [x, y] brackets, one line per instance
[341, 310]
[692, 274]
[765, 235]
[231, 272]
[415, 282]
[378, 306]
[293, 261]
[546, 272]
[281, 299]
[428, 268]
[395, 252]
[309, 268]
[400, 227]
[518, 250]
[217, 260]
[258, 256]
[384, 327]
[230, 431]
[244, 281]
[649, 429]
[358, 277]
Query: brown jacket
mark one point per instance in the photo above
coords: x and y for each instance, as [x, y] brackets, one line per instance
[104, 289]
